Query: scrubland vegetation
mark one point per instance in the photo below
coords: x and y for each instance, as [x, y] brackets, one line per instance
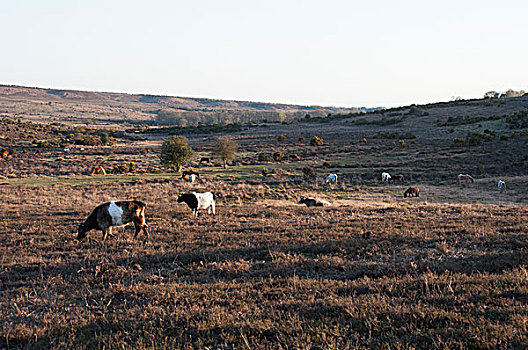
[374, 270]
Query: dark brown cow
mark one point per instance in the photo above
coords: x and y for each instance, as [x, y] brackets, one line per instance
[110, 214]
[294, 156]
[396, 178]
[313, 202]
[412, 192]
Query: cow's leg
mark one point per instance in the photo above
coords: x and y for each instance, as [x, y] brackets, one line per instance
[106, 232]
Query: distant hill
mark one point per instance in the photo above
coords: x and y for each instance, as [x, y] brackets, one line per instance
[106, 107]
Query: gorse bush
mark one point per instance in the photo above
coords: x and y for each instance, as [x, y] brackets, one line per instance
[308, 172]
[278, 156]
[316, 141]
[263, 157]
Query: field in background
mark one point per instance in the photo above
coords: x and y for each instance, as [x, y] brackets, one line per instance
[374, 270]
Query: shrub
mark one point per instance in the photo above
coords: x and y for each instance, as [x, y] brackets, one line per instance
[308, 172]
[132, 167]
[281, 138]
[301, 139]
[265, 171]
[263, 157]
[316, 141]
[326, 165]
[480, 169]
[120, 168]
[278, 156]
[459, 141]
[505, 137]
[402, 143]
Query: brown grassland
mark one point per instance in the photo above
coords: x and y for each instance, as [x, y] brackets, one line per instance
[447, 269]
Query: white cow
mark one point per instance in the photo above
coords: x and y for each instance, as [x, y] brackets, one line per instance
[331, 178]
[385, 177]
[501, 185]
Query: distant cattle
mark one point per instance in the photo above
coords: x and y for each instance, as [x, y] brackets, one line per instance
[313, 202]
[385, 177]
[465, 178]
[331, 178]
[205, 160]
[197, 201]
[501, 185]
[412, 192]
[98, 170]
[396, 178]
[110, 214]
[186, 173]
[294, 156]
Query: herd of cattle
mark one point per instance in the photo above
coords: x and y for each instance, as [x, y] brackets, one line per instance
[107, 215]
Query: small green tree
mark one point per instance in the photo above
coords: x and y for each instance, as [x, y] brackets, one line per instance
[175, 152]
[224, 149]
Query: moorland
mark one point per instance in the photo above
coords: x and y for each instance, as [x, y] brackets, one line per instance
[374, 270]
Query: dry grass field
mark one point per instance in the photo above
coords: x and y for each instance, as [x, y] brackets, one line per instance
[262, 274]
[445, 270]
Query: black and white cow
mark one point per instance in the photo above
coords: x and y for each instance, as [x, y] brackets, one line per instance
[197, 201]
[313, 202]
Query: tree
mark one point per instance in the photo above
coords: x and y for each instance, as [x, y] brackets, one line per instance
[224, 148]
[175, 152]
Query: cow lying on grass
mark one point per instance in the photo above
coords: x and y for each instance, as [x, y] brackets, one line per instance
[197, 201]
[110, 214]
[313, 202]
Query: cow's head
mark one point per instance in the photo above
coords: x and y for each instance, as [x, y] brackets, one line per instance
[81, 233]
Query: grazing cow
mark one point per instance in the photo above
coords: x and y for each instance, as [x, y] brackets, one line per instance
[501, 185]
[197, 201]
[331, 178]
[412, 192]
[205, 159]
[294, 156]
[186, 173]
[465, 178]
[110, 214]
[398, 178]
[314, 202]
[98, 170]
[385, 177]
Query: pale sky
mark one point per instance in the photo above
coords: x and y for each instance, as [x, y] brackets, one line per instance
[330, 53]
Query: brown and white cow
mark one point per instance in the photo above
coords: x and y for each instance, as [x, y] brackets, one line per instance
[186, 173]
[412, 192]
[110, 214]
[313, 202]
[98, 170]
